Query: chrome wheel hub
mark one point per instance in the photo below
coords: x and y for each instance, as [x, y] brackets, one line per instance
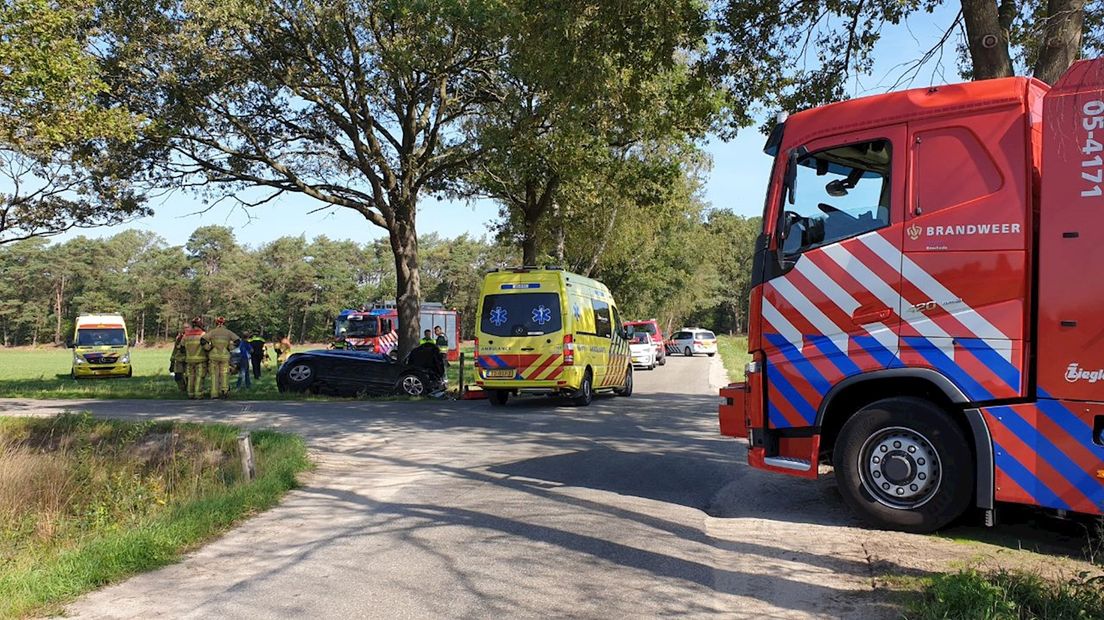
[900, 468]
[412, 385]
[299, 373]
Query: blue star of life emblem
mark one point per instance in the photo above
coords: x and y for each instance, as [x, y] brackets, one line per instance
[541, 315]
[498, 315]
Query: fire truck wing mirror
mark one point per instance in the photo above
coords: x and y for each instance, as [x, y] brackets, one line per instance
[789, 180]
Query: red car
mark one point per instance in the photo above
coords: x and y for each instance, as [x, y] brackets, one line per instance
[651, 327]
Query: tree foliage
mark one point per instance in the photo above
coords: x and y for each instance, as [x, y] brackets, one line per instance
[56, 132]
[802, 53]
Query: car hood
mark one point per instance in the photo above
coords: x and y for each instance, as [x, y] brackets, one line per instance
[345, 354]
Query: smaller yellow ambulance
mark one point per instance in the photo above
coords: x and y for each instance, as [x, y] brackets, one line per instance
[549, 331]
[100, 347]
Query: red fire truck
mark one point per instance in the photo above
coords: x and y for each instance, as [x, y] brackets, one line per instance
[376, 328]
[924, 316]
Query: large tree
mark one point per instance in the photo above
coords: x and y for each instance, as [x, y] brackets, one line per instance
[801, 53]
[355, 104]
[56, 131]
[583, 84]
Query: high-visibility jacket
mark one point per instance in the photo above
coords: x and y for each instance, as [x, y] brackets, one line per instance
[427, 341]
[219, 342]
[194, 353]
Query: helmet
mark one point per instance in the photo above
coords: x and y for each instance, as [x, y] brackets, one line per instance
[197, 322]
[220, 321]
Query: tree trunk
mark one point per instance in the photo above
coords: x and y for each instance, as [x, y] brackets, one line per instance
[303, 326]
[59, 297]
[561, 235]
[1061, 41]
[408, 283]
[987, 40]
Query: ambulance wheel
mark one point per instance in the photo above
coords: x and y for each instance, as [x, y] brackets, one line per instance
[585, 395]
[903, 464]
[627, 389]
[687, 352]
[498, 397]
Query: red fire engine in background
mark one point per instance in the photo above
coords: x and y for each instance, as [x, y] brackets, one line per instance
[376, 328]
[927, 315]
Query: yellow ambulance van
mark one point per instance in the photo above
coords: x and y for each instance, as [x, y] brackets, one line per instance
[100, 347]
[548, 331]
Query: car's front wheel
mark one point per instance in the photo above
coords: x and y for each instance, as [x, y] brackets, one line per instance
[411, 384]
[903, 463]
[300, 376]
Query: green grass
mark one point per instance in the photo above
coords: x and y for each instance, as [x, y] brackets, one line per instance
[44, 373]
[1006, 595]
[733, 350]
[85, 502]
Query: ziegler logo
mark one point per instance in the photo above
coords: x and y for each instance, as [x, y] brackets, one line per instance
[914, 231]
[1075, 373]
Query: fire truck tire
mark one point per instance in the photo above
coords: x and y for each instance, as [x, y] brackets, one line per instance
[585, 395]
[498, 398]
[903, 464]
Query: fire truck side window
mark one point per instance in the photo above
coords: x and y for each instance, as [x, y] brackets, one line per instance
[839, 193]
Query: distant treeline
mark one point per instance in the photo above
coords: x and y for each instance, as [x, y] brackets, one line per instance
[294, 287]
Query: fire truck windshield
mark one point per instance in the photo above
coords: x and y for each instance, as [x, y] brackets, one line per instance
[357, 327]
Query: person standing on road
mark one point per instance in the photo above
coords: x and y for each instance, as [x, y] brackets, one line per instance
[283, 349]
[218, 343]
[245, 354]
[177, 365]
[256, 354]
[195, 358]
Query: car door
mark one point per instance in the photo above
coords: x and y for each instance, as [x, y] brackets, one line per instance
[832, 309]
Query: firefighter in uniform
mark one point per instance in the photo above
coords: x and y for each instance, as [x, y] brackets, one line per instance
[283, 349]
[218, 343]
[177, 365]
[195, 358]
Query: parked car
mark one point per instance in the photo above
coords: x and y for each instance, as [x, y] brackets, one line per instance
[349, 372]
[643, 351]
[651, 327]
[692, 340]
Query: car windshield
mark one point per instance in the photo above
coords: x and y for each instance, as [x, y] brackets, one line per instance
[357, 327]
[109, 337]
[704, 336]
[521, 314]
[641, 338]
[646, 328]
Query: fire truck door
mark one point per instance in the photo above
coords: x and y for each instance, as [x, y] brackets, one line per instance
[834, 311]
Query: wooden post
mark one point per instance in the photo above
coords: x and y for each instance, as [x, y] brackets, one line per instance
[460, 379]
[245, 448]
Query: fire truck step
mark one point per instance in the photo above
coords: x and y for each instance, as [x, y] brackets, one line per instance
[788, 462]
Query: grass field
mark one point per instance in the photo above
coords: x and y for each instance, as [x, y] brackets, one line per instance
[44, 373]
[85, 502]
[733, 350]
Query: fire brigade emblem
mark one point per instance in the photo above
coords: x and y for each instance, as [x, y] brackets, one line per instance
[914, 231]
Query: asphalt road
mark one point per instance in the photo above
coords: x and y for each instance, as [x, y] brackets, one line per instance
[632, 507]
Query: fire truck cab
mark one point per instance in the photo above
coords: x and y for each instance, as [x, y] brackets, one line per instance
[920, 320]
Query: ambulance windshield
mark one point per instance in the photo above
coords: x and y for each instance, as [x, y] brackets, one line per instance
[106, 337]
[521, 314]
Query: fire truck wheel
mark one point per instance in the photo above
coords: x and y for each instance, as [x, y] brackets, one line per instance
[498, 397]
[903, 464]
[585, 394]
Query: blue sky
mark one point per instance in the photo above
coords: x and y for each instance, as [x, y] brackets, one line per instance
[737, 181]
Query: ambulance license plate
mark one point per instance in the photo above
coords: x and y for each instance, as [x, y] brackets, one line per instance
[501, 374]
